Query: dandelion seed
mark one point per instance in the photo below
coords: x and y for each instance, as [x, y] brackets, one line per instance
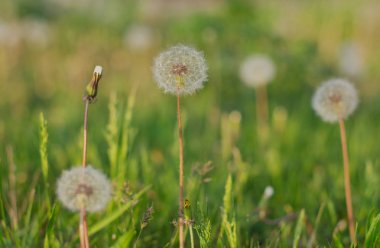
[83, 187]
[334, 99]
[180, 69]
[256, 70]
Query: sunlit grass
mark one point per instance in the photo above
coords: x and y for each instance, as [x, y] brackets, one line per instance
[134, 131]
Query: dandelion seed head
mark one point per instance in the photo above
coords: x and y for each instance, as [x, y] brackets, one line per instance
[85, 187]
[256, 70]
[180, 67]
[334, 99]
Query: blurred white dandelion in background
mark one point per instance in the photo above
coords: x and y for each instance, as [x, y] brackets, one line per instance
[257, 69]
[350, 59]
[139, 37]
[36, 32]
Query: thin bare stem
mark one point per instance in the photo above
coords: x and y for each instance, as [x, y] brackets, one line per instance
[85, 131]
[181, 200]
[82, 223]
[347, 184]
[87, 242]
[262, 112]
[12, 189]
[83, 230]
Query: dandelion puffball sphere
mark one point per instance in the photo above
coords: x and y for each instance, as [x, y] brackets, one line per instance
[180, 70]
[335, 99]
[257, 70]
[85, 187]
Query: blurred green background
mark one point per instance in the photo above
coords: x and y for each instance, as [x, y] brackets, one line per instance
[48, 49]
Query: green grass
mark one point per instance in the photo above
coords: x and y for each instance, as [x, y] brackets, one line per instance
[133, 135]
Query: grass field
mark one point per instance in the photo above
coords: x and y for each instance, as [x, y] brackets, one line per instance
[48, 50]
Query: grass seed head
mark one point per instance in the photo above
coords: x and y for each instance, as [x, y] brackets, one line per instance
[180, 67]
[257, 69]
[334, 99]
[85, 187]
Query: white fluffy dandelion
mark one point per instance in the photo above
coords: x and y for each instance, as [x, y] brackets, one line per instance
[83, 187]
[180, 70]
[335, 99]
[256, 70]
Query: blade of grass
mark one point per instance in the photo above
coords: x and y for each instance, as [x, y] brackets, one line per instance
[125, 239]
[316, 225]
[372, 238]
[50, 226]
[299, 228]
[116, 214]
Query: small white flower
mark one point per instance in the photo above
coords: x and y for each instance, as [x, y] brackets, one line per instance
[335, 99]
[268, 192]
[83, 187]
[180, 70]
[256, 70]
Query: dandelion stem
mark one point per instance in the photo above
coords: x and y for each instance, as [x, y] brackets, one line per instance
[85, 130]
[181, 201]
[83, 230]
[347, 186]
[262, 111]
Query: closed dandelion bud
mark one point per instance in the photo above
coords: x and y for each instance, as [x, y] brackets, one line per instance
[180, 70]
[92, 87]
[335, 99]
[257, 70]
[83, 187]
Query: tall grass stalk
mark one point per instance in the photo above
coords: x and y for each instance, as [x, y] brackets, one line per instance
[119, 135]
[43, 147]
[347, 185]
[229, 227]
[44, 158]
